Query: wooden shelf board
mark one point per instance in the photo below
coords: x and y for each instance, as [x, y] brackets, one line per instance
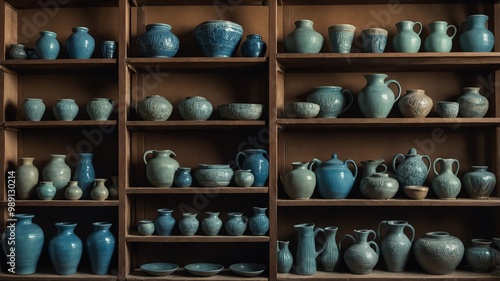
[64, 203]
[48, 274]
[331, 62]
[459, 202]
[387, 122]
[139, 3]
[196, 238]
[195, 190]
[181, 274]
[184, 124]
[182, 64]
[363, 2]
[36, 4]
[56, 124]
[384, 275]
[58, 65]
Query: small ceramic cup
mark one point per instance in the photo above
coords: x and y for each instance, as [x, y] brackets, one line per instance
[374, 40]
[341, 37]
[146, 227]
[447, 109]
[108, 49]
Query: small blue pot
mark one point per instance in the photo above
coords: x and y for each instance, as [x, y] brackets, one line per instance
[253, 46]
[47, 47]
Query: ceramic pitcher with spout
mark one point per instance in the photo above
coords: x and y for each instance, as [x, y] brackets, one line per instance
[395, 245]
[305, 260]
[160, 170]
[376, 98]
[362, 256]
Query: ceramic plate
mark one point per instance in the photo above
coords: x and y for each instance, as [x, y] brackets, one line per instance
[204, 269]
[159, 268]
[247, 269]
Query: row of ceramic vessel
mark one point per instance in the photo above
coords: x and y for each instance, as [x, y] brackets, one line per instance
[162, 170]
[376, 100]
[79, 45]
[23, 241]
[437, 253]
[475, 38]
[333, 179]
[235, 225]
[58, 183]
[67, 109]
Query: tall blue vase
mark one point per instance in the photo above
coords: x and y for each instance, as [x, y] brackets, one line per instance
[47, 47]
[22, 256]
[85, 174]
[164, 222]
[100, 246]
[259, 222]
[256, 161]
[65, 249]
[80, 44]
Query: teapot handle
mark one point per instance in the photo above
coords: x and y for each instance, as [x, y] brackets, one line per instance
[419, 24]
[374, 245]
[349, 97]
[346, 236]
[394, 161]
[317, 230]
[354, 165]
[397, 84]
[412, 232]
[428, 161]
[434, 166]
[314, 161]
[458, 166]
[454, 30]
[384, 222]
[238, 157]
[146, 154]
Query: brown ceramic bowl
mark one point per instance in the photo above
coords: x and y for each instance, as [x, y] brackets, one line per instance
[416, 192]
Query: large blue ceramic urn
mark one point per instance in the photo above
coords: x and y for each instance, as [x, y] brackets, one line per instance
[158, 41]
[80, 44]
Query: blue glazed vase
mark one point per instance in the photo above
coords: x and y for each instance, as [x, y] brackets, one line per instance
[183, 177]
[65, 249]
[236, 223]
[47, 47]
[195, 108]
[218, 38]
[212, 224]
[395, 246]
[307, 250]
[189, 224]
[108, 49]
[304, 39]
[65, 109]
[407, 40]
[146, 227]
[85, 173]
[285, 258]
[158, 41]
[80, 44]
[33, 109]
[477, 38]
[46, 190]
[59, 172]
[438, 39]
[410, 168]
[164, 222]
[438, 252]
[330, 258]
[332, 100]
[480, 256]
[100, 246]
[334, 180]
[446, 184]
[362, 256]
[376, 99]
[253, 46]
[154, 108]
[256, 161]
[100, 108]
[479, 183]
[29, 237]
[259, 222]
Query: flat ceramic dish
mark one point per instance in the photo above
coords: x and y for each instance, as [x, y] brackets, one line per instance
[159, 268]
[204, 269]
[247, 269]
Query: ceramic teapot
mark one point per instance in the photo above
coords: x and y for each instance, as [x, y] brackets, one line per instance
[334, 180]
[411, 170]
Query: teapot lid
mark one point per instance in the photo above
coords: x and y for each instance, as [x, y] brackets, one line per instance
[412, 152]
[334, 161]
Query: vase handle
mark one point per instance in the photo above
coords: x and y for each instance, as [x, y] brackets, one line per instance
[397, 85]
[384, 166]
[412, 232]
[146, 154]
[458, 166]
[428, 162]
[374, 245]
[346, 236]
[394, 161]
[238, 157]
[349, 97]
[434, 166]
[379, 225]
[419, 24]
[454, 30]
[317, 230]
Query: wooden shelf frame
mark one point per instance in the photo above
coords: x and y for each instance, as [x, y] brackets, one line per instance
[384, 275]
[197, 190]
[459, 202]
[197, 239]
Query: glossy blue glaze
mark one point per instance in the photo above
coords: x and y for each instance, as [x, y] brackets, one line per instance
[80, 44]
[65, 249]
[100, 246]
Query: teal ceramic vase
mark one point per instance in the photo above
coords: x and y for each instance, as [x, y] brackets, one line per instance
[160, 170]
[334, 180]
[477, 38]
[100, 108]
[236, 223]
[100, 246]
[164, 222]
[73, 191]
[304, 39]
[376, 99]
[480, 256]
[446, 184]
[256, 161]
[362, 256]
[410, 168]
[307, 252]
[188, 224]
[146, 227]
[99, 190]
[183, 177]
[65, 109]
[369, 167]
[46, 190]
[407, 40]
[26, 179]
[330, 258]
[23, 254]
[438, 252]
[154, 108]
[395, 246]
[284, 257]
[332, 100]
[379, 186]
[85, 173]
[479, 183]
[17, 52]
[158, 41]
[300, 182]
[65, 249]
[59, 172]
[438, 39]
[471, 104]
[212, 224]
[259, 222]
[243, 178]
[195, 108]
[80, 44]
[253, 46]
[46, 46]
[33, 109]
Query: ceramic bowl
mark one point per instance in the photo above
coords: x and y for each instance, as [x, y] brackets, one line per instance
[218, 38]
[302, 110]
[416, 192]
[213, 175]
[204, 269]
[247, 269]
[159, 268]
[240, 111]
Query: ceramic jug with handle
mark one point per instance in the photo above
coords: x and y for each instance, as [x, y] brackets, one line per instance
[376, 98]
[160, 170]
[305, 260]
[334, 180]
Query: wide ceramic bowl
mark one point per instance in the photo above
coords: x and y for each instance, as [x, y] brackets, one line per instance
[218, 38]
[240, 111]
[204, 269]
[416, 192]
[247, 269]
[302, 110]
[213, 175]
[159, 268]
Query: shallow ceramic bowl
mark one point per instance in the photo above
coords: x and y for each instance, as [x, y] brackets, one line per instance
[213, 175]
[416, 192]
[247, 269]
[159, 268]
[204, 269]
[303, 110]
[240, 111]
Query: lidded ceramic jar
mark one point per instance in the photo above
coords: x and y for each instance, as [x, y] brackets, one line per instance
[154, 108]
[415, 104]
[411, 169]
[334, 180]
[158, 41]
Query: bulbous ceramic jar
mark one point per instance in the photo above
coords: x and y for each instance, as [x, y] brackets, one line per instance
[195, 108]
[415, 104]
[243, 178]
[73, 191]
[80, 44]
[304, 39]
[59, 172]
[33, 109]
[332, 100]
[65, 109]
[300, 182]
[158, 41]
[46, 190]
[334, 180]
[17, 52]
[154, 108]
[479, 182]
[438, 252]
[253, 46]
[480, 256]
[212, 224]
[183, 177]
[472, 104]
[100, 108]
[47, 47]
[164, 222]
[160, 170]
[411, 169]
[477, 38]
[379, 186]
[236, 224]
[362, 256]
[189, 224]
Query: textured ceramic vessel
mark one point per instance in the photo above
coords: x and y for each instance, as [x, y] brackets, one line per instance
[100, 245]
[379, 186]
[236, 223]
[300, 182]
[108, 49]
[33, 109]
[100, 108]
[307, 250]
[27, 176]
[438, 39]
[160, 169]
[446, 184]
[302, 110]
[46, 46]
[259, 222]
[341, 37]
[99, 191]
[73, 191]
[212, 224]
[80, 44]
[438, 252]
[256, 161]
[65, 249]
[284, 257]
[154, 108]
[218, 38]
[362, 256]
[330, 258]
[477, 38]
[164, 222]
[479, 183]
[472, 104]
[395, 246]
[369, 167]
[65, 109]
[183, 177]
[17, 52]
[376, 99]
[188, 224]
[334, 180]
[114, 188]
[410, 168]
[85, 173]
[480, 256]
[146, 227]
[407, 40]
[332, 100]
[253, 46]
[158, 41]
[195, 108]
[374, 40]
[415, 104]
[447, 109]
[59, 172]
[213, 175]
[46, 190]
[243, 178]
[304, 39]
[240, 111]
